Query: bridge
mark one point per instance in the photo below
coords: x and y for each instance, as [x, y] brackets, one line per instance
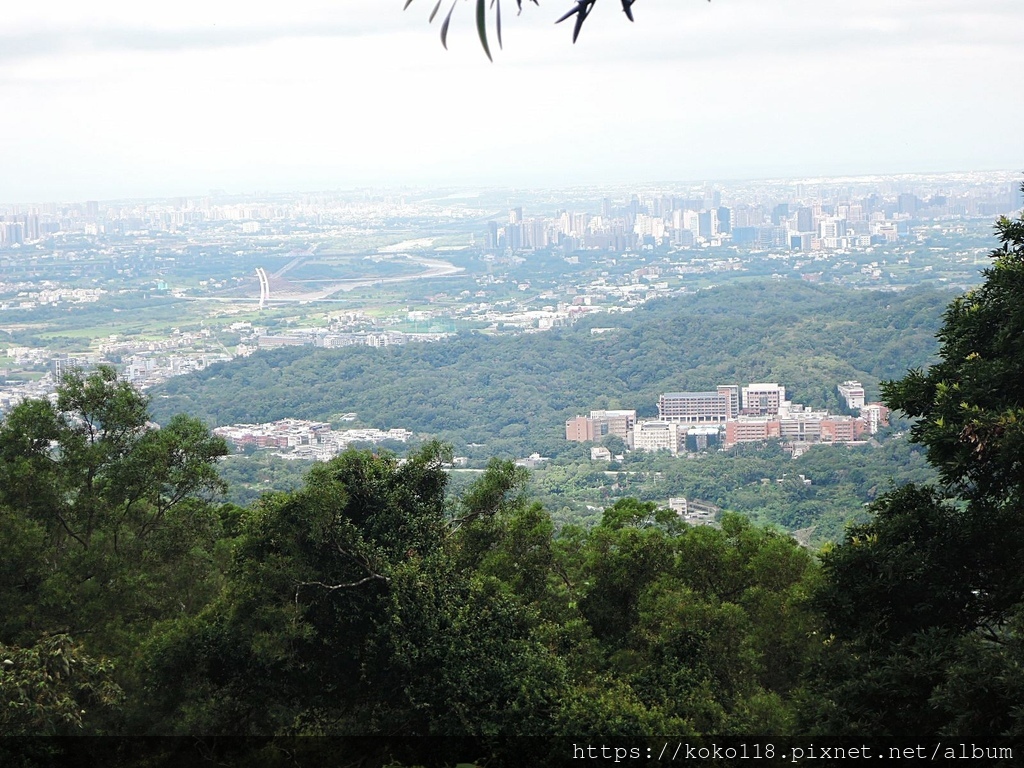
[264, 286]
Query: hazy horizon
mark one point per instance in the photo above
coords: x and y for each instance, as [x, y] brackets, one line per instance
[470, 189]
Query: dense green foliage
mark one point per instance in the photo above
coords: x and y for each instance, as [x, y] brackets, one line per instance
[510, 396]
[366, 611]
[99, 512]
[761, 482]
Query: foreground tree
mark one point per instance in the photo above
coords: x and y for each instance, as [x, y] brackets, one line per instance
[106, 528]
[970, 405]
[354, 611]
[397, 625]
[101, 510]
[924, 604]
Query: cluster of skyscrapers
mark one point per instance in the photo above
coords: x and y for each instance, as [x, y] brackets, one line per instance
[803, 223]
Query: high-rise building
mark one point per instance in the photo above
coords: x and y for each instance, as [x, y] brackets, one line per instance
[875, 416]
[804, 220]
[514, 236]
[833, 227]
[746, 216]
[682, 238]
[537, 233]
[12, 233]
[724, 220]
[907, 203]
[708, 223]
[691, 222]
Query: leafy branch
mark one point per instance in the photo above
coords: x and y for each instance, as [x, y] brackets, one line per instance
[581, 11]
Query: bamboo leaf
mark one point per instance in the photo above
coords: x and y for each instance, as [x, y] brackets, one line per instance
[444, 26]
[498, 24]
[481, 26]
[433, 13]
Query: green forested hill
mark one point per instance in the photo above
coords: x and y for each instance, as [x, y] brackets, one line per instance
[512, 394]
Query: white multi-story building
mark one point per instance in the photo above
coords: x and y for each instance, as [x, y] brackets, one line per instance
[853, 393]
[876, 415]
[762, 399]
[654, 436]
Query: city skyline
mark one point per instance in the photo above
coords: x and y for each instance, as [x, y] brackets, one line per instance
[120, 101]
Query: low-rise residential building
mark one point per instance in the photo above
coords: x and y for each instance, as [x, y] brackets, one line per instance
[273, 342]
[694, 512]
[533, 461]
[307, 439]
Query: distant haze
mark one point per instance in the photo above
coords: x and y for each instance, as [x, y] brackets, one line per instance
[128, 99]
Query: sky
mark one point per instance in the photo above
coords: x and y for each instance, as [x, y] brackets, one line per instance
[114, 99]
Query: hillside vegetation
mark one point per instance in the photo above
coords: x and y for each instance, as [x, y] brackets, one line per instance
[511, 395]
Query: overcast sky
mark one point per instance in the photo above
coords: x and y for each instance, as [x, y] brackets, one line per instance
[110, 98]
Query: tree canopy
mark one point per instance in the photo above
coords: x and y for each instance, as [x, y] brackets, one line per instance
[105, 527]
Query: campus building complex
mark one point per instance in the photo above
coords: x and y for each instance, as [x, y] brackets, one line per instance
[730, 415]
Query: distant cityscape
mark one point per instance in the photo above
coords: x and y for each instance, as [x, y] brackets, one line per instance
[810, 219]
[810, 215]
